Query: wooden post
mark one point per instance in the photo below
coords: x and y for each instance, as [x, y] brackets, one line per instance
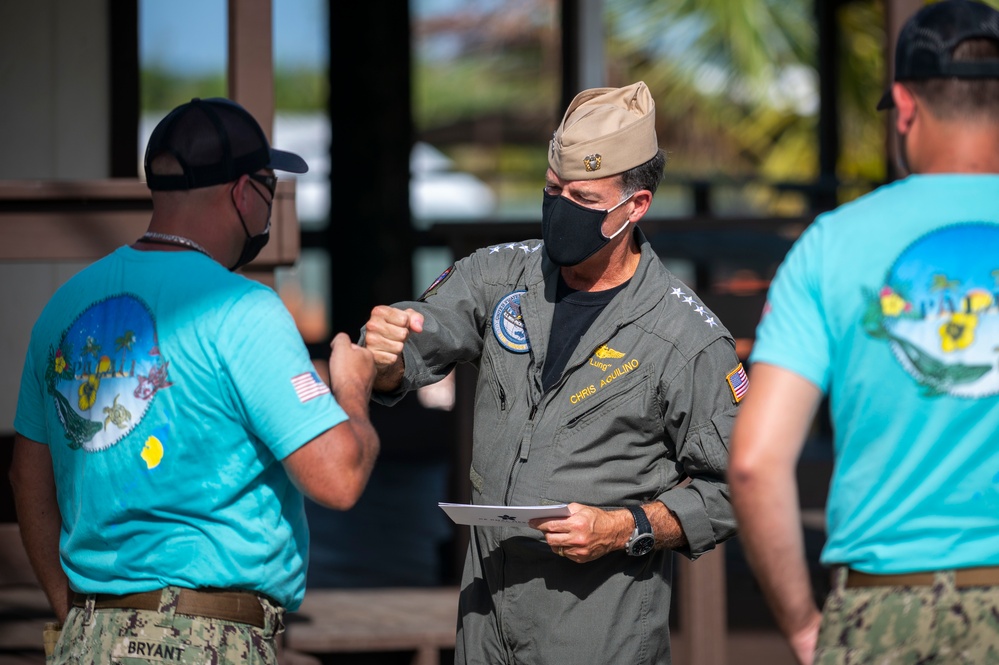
[703, 609]
[251, 59]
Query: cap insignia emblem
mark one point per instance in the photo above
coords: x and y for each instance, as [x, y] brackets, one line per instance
[592, 162]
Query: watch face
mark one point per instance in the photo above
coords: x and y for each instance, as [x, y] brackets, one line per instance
[642, 545]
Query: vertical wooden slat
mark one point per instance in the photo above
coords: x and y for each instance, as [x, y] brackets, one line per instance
[703, 625]
[251, 59]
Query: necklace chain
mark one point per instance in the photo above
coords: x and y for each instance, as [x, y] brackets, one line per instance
[170, 239]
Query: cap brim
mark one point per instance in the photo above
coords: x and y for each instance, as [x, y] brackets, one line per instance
[282, 160]
[887, 101]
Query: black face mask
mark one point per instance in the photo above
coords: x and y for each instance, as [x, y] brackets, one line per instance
[253, 244]
[572, 232]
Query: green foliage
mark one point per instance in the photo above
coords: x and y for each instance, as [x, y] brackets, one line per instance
[729, 75]
[161, 89]
[861, 82]
[736, 86]
[301, 90]
[474, 86]
[295, 90]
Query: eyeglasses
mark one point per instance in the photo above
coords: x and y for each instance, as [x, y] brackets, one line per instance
[268, 181]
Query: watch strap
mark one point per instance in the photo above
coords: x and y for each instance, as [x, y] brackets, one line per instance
[642, 524]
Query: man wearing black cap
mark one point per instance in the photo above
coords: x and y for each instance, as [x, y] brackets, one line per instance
[890, 306]
[170, 418]
[603, 383]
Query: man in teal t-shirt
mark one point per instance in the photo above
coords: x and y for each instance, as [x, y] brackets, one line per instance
[890, 306]
[170, 418]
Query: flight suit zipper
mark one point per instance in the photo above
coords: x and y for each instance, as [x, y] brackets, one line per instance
[525, 448]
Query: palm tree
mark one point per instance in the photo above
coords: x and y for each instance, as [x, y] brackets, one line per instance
[91, 348]
[124, 344]
[944, 286]
[736, 83]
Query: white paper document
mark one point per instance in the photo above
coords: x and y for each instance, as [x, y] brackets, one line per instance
[463, 513]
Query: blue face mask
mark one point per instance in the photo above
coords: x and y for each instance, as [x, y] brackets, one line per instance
[572, 232]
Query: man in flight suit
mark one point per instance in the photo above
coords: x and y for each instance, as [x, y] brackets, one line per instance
[603, 383]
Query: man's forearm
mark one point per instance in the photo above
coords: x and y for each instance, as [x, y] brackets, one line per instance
[388, 378]
[770, 530]
[42, 545]
[39, 519]
[767, 440]
[665, 525]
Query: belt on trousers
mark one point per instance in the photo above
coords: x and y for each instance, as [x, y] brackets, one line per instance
[963, 578]
[236, 606]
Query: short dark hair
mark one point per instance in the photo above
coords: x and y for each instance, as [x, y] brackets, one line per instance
[960, 98]
[645, 176]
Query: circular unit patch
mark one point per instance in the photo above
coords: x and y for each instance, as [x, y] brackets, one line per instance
[939, 310]
[508, 324]
[105, 371]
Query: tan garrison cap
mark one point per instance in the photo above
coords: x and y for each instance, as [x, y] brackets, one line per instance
[605, 131]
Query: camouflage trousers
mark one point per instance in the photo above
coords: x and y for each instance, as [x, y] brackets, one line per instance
[144, 636]
[937, 624]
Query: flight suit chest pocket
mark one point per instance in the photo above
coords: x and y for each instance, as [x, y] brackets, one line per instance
[603, 451]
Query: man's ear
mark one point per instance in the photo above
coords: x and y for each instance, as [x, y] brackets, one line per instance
[240, 193]
[642, 199]
[905, 106]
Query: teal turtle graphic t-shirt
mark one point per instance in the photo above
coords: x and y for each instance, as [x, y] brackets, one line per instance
[168, 391]
[890, 304]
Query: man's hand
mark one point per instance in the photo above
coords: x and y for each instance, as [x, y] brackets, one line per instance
[588, 533]
[385, 335]
[352, 370]
[804, 641]
[334, 467]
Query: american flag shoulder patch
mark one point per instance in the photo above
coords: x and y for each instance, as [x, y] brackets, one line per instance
[309, 386]
[738, 382]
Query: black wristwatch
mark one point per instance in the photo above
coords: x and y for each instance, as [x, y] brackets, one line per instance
[642, 541]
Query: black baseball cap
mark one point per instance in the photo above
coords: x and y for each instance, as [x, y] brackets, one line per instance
[927, 41]
[215, 141]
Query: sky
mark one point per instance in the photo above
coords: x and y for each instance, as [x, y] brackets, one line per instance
[189, 36]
